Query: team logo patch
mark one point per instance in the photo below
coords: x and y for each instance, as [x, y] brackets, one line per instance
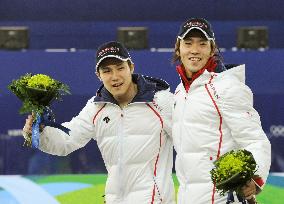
[106, 119]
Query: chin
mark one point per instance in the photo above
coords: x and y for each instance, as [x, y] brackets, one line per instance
[118, 94]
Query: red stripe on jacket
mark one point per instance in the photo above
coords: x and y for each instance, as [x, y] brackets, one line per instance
[157, 158]
[220, 128]
[98, 113]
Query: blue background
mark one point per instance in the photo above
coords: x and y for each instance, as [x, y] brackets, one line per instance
[85, 24]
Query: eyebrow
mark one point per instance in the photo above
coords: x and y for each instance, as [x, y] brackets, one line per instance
[104, 68]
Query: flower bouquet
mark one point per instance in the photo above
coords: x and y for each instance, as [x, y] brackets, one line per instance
[232, 171]
[37, 93]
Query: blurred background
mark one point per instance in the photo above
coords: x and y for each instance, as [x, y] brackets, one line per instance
[59, 38]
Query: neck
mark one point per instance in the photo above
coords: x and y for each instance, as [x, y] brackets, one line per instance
[210, 66]
[188, 73]
[128, 97]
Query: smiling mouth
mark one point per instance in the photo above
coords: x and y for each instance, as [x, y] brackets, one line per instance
[194, 59]
[117, 85]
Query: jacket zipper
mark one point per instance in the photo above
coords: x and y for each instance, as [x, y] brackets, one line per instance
[120, 158]
[181, 123]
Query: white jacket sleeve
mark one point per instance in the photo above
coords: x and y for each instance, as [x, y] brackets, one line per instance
[244, 122]
[57, 142]
[164, 100]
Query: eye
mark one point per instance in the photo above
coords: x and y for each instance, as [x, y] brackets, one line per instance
[105, 71]
[120, 68]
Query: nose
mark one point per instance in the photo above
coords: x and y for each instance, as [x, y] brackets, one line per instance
[194, 49]
[114, 76]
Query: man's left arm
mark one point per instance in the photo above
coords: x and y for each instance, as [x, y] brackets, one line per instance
[245, 125]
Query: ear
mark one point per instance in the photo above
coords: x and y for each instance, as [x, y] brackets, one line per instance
[177, 52]
[131, 68]
[98, 75]
[213, 48]
[177, 46]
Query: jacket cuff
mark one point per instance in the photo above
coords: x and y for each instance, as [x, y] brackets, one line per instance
[259, 183]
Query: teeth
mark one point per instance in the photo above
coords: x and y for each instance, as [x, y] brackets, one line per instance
[194, 58]
[116, 85]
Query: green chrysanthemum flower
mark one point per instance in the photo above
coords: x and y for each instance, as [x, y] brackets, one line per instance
[41, 81]
[232, 170]
[37, 91]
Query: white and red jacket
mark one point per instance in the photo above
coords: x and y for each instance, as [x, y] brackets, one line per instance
[135, 142]
[213, 116]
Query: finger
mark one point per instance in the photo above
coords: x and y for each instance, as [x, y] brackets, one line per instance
[31, 117]
[245, 188]
[249, 193]
[249, 183]
[27, 130]
[249, 197]
[28, 122]
[25, 134]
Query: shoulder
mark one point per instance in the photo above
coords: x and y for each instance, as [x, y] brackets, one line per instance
[179, 88]
[92, 106]
[159, 84]
[234, 74]
[163, 95]
[236, 93]
[163, 100]
[231, 82]
[229, 87]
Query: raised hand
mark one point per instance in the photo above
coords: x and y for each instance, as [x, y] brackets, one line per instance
[27, 130]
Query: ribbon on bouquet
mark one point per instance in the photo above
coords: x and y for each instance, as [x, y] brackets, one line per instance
[46, 119]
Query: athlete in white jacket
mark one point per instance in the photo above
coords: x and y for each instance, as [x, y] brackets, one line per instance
[130, 118]
[213, 114]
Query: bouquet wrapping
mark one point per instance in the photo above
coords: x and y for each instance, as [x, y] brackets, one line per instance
[37, 92]
[232, 171]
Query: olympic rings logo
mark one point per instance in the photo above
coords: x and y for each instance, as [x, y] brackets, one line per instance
[277, 130]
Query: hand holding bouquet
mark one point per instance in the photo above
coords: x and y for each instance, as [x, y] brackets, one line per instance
[37, 93]
[232, 171]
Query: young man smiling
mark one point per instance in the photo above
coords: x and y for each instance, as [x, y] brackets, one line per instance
[117, 78]
[138, 158]
[213, 114]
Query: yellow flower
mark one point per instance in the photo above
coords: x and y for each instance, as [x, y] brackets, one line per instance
[41, 81]
[230, 165]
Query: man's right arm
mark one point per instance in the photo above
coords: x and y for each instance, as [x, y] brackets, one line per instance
[164, 100]
[57, 142]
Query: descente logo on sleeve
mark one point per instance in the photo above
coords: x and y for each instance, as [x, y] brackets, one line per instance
[106, 119]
